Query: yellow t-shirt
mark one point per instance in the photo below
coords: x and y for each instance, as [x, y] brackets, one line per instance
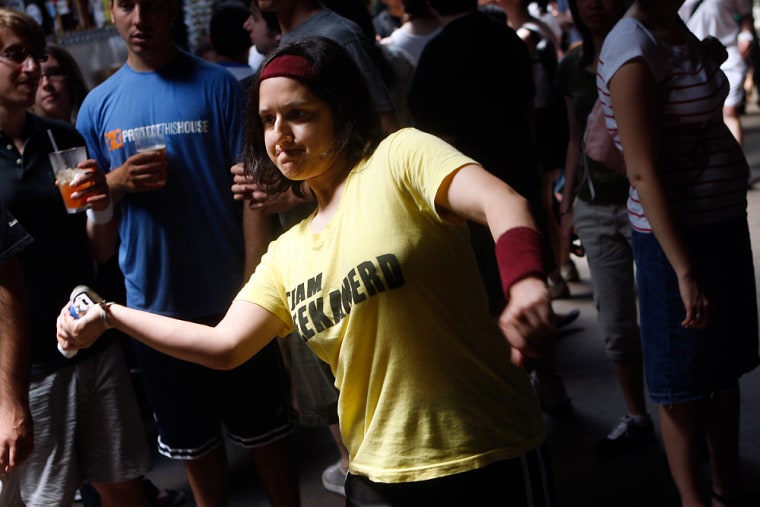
[389, 295]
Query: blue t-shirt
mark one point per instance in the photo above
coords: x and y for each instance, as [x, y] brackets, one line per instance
[181, 246]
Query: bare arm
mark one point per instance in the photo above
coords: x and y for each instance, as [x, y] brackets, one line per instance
[572, 159]
[633, 93]
[475, 194]
[744, 44]
[16, 437]
[572, 166]
[244, 330]
[103, 237]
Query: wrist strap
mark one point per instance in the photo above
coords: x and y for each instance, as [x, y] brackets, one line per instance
[520, 253]
[104, 314]
[101, 217]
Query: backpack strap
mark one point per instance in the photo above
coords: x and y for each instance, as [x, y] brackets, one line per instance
[695, 7]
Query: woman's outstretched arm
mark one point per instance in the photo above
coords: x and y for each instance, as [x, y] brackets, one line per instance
[244, 330]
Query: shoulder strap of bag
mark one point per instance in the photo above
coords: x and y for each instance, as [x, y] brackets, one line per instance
[695, 7]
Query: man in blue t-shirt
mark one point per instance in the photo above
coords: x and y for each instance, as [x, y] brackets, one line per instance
[182, 247]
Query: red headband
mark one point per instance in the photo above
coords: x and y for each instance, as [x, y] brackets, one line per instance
[289, 66]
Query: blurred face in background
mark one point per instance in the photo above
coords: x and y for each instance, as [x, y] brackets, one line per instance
[600, 15]
[54, 97]
[261, 35]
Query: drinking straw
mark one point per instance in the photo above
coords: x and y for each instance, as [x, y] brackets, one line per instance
[52, 140]
[55, 149]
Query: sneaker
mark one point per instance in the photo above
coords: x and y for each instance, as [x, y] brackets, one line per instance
[569, 272]
[576, 247]
[551, 393]
[629, 432]
[565, 319]
[334, 479]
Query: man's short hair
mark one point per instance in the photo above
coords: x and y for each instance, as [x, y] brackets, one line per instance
[25, 27]
[226, 32]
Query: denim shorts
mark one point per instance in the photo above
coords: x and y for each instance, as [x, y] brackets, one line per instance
[682, 364]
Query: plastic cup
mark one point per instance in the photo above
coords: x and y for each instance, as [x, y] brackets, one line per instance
[152, 142]
[64, 165]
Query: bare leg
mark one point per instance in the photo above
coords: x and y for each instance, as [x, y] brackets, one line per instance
[553, 233]
[552, 225]
[115, 494]
[721, 425]
[207, 476]
[278, 473]
[631, 379]
[733, 121]
[335, 431]
[679, 427]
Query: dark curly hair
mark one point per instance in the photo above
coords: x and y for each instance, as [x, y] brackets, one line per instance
[341, 85]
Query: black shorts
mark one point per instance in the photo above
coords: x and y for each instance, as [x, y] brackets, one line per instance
[191, 403]
[525, 481]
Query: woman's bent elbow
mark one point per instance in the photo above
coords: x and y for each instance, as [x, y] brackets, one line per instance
[226, 360]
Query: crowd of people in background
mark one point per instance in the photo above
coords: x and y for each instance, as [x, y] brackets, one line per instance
[284, 136]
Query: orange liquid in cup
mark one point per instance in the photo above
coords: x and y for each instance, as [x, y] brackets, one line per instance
[72, 205]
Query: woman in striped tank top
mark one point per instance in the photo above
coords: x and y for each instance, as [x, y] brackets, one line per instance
[663, 93]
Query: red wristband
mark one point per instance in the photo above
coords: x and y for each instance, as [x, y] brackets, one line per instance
[520, 254]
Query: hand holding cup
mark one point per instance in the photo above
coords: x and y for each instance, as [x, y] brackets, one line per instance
[71, 178]
[148, 167]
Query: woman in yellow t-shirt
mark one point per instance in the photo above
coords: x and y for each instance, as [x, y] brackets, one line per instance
[381, 283]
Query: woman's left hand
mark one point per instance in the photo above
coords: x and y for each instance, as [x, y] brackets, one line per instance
[528, 321]
[695, 302]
